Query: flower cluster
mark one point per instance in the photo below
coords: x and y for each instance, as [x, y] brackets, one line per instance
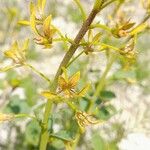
[93, 40]
[41, 26]
[122, 29]
[16, 53]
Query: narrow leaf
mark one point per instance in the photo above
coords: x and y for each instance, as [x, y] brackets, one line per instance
[48, 94]
[24, 22]
[138, 29]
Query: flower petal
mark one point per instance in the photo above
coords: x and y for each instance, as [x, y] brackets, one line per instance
[73, 80]
[46, 23]
[62, 83]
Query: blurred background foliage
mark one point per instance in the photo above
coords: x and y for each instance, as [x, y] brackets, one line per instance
[19, 88]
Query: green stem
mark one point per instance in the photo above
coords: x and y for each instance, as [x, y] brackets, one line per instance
[60, 138]
[65, 61]
[25, 115]
[38, 72]
[75, 45]
[98, 4]
[101, 26]
[45, 133]
[108, 3]
[110, 47]
[101, 82]
[74, 59]
[81, 9]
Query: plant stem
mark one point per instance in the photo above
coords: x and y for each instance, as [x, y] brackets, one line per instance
[101, 26]
[101, 82]
[75, 58]
[65, 61]
[75, 44]
[81, 9]
[45, 133]
[25, 115]
[98, 90]
[108, 3]
[38, 72]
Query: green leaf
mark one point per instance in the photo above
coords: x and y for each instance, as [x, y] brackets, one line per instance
[16, 106]
[30, 90]
[32, 133]
[107, 95]
[105, 112]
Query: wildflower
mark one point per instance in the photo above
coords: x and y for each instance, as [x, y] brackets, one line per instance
[67, 87]
[122, 30]
[48, 33]
[128, 51]
[16, 53]
[6, 117]
[41, 26]
[92, 41]
[85, 119]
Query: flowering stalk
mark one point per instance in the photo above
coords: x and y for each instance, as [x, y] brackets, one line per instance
[65, 61]
[63, 89]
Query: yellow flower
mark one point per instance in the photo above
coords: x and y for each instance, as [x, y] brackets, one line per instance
[6, 117]
[46, 37]
[67, 87]
[122, 29]
[16, 53]
[92, 41]
[40, 25]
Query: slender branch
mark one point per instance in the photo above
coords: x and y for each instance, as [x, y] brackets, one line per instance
[81, 9]
[38, 72]
[108, 3]
[66, 59]
[44, 133]
[75, 58]
[101, 26]
[75, 45]
[101, 82]
[25, 115]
